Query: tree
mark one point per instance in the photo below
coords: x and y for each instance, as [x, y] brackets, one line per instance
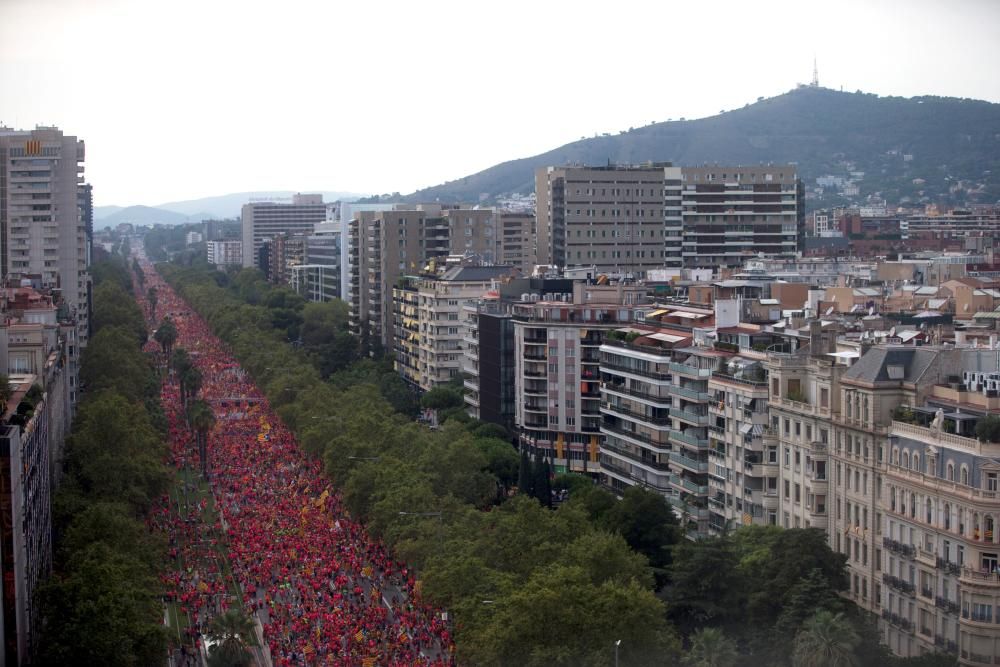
[441, 398]
[711, 648]
[166, 336]
[647, 522]
[702, 578]
[826, 640]
[5, 391]
[114, 307]
[525, 481]
[202, 420]
[233, 631]
[151, 297]
[988, 429]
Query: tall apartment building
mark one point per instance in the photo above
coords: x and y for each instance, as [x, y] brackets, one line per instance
[732, 213]
[430, 330]
[557, 342]
[268, 220]
[621, 219]
[43, 235]
[490, 359]
[388, 244]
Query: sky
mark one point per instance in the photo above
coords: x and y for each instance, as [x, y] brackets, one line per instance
[183, 99]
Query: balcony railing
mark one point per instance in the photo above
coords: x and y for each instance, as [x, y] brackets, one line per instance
[621, 368]
[898, 547]
[695, 441]
[898, 584]
[948, 566]
[622, 389]
[947, 605]
[650, 419]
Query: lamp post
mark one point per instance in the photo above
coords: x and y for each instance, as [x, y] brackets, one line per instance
[617, 644]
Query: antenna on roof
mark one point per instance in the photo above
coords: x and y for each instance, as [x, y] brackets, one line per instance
[815, 80]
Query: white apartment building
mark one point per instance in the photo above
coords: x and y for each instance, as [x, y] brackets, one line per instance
[225, 253]
[45, 239]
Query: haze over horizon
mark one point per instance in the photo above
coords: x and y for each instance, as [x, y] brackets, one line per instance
[397, 96]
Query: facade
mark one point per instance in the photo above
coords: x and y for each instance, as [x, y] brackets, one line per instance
[44, 234]
[489, 361]
[225, 253]
[268, 220]
[732, 213]
[557, 342]
[284, 253]
[621, 219]
[516, 236]
[388, 244]
[430, 330]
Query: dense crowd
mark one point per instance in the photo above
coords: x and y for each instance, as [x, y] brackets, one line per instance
[323, 590]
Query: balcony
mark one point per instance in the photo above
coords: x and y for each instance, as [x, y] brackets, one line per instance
[946, 605]
[898, 547]
[620, 368]
[689, 486]
[694, 441]
[662, 401]
[653, 464]
[689, 463]
[640, 438]
[690, 371]
[947, 566]
[898, 584]
[689, 417]
[623, 411]
[979, 579]
[691, 394]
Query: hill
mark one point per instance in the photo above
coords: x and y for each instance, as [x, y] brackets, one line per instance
[952, 145]
[144, 215]
[228, 206]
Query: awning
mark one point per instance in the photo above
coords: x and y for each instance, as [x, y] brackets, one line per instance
[657, 313]
[758, 430]
[667, 338]
[746, 428]
[690, 316]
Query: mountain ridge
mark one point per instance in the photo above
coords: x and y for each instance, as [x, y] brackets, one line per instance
[204, 208]
[896, 141]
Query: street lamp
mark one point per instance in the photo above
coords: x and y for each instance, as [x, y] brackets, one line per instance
[617, 644]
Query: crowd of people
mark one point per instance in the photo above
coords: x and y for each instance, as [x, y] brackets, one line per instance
[323, 591]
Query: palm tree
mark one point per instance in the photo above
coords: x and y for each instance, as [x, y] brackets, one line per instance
[166, 336]
[232, 632]
[190, 384]
[151, 297]
[711, 648]
[825, 640]
[202, 420]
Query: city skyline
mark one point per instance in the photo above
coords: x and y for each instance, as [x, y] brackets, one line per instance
[173, 80]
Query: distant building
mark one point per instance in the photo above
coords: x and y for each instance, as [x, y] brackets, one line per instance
[192, 237]
[623, 219]
[318, 277]
[267, 220]
[225, 253]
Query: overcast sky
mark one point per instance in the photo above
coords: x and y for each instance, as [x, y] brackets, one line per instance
[179, 99]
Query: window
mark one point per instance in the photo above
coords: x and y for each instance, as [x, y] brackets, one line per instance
[965, 475]
[950, 472]
[991, 481]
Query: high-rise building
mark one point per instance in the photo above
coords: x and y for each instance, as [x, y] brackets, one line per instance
[318, 277]
[622, 219]
[267, 220]
[731, 214]
[630, 219]
[43, 233]
[388, 244]
[516, 235]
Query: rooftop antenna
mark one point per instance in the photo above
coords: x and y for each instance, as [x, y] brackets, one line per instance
[815, 81]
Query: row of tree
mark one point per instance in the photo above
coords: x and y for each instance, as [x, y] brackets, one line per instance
[102, 605]
[527, 584]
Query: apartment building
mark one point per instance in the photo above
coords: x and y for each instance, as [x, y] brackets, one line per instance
[41, 220]
[622, 219]
[557, 342]
[490, 360]
[731, 213]
[268, 220]
[388, 244]
[516, 236]
[430, 330]
[224, 253]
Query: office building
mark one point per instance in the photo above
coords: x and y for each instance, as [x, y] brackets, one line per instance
[731, 214]
[267, 220]
[318, 277]
[44, 234]
[516, 235]
[624, 220]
